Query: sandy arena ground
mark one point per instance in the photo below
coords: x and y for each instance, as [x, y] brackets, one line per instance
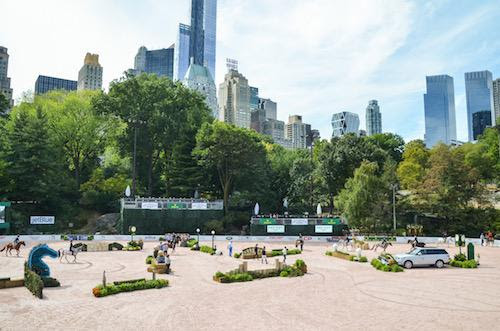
[334, 295]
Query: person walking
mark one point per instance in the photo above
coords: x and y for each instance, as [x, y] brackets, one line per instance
[481, 236]
[230, 248]
[285, 252]
[256, 251]
[264, 255]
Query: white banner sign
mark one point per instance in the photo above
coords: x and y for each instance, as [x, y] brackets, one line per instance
[276, 229]
[150, 205]
[42, 219]
[299, 221]
[323, 228]
[199, 205]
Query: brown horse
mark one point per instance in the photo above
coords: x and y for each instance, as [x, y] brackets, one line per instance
[10, 246]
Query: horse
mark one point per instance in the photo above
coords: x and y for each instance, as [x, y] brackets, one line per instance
[66, 252]
[299, 242]
[383, 245]
[10, 246]
[346, 244]
[415, 243]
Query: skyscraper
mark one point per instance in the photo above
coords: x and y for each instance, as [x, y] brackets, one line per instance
[373, 118]
[496, 97]
[254, 98]
[439, 107]
[181, 52]
[197, 40]
[159, 61]
[198, 78]
[45, 84]
[90, 75]
[269, 106]
[296, 131]
[479, 95]
[4, 80]
[234, 100]
[345, 122]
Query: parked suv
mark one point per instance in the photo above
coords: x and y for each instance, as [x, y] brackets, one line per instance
[421, 256]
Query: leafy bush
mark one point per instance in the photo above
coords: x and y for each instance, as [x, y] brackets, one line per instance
[191, 242]
[232, 277]
[301, 265]
[377, 264]
[468, 264]
[279, 252]
[351, 258]
[50, 282]
[33, 282]
[207, 249]
[460, 257]
[149, 259]
[237, 255]
[284, 273]
[363, 259]
[100, 291]
[216, 225]
[114, 246]
[299, 268]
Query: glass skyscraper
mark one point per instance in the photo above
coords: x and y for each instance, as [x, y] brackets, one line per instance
[160, 61]
[439, 107]
[373, 118]
[196, 41]
[210, 27]
[45, 84]
[479, 95]
[181, 53]
[345, 122]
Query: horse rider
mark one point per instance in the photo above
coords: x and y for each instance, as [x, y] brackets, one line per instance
[16, 241]
[71, 246]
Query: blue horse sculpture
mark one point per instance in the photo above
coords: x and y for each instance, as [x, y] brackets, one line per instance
[35, 262]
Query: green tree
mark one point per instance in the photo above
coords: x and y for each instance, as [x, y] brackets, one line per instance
[412, 169]
[4, 105]
[237, 155]
[393, 144]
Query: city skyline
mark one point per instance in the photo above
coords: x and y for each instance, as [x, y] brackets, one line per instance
[297, 69]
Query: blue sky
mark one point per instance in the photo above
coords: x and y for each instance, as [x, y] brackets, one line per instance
[313, 57]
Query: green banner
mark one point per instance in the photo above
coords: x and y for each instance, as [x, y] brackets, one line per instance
[331, 221]
[176, 205]
[267, 221]
[5, 203]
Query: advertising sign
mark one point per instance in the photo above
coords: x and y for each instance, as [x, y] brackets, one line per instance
[267, 221]
[42, 219]
[176, 205]
[276, 229]
[334, 220]
[299, 221]
[2, 214]
[150, 205]
[199, 205]
[323, 229]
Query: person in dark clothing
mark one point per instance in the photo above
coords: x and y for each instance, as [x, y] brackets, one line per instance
[256, 250]
[16, 240]
[264, 255]
[71, 245]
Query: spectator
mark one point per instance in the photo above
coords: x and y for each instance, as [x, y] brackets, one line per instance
[167, 263]
[285, 252]
[264, 255]
[256, 251]
[230, 248]
[481, 236]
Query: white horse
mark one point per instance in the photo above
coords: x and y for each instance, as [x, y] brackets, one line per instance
[446, 240]
[67, 252]
[383, 245]
[345, 244]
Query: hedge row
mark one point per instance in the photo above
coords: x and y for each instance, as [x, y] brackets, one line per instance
[33, 282]
[299, 268]
[101, 291]
[204, 249]
[377, 264]
[346, 256]
[191, 242]
[468, 264]
[272, 253]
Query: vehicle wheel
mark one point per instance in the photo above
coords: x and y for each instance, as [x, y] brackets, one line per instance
[408, 264]
[439, 264]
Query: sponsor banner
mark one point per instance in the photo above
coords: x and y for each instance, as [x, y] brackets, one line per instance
[335, 220]
[199, 205]
[323, 229]
[299, 221]
[5, 203]
[267, 221]
[176, 205]
[276, 229]
[150, 205]
[42, 219]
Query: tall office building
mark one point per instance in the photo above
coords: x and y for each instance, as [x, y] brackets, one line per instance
[345, 122]
[373, 118]
[439, 107]
[197, 40]
[269, 106]
[266, 110]
[496, 97]
[234, 100]
[296, 131]
[4, 80]
[45, 84]
[181, 52]
[159, 61]
[198, 78]
[90, 75]
[254, 98]
[479, 95]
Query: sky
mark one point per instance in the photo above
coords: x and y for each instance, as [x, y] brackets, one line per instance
[314, 58]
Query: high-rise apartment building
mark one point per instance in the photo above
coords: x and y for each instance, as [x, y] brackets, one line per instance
[90, 75]
[181, 52]
[439, 107]
[345, 122]
[479, 96]
[159, 61]
[198, 78]
[373, 118]
[234, 100]
[197, 40]
[296, 131]
[269, 106]
[5, 88]
[45, 84]
[496, 98]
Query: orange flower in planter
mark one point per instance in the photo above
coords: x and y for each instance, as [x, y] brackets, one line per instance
[96, 291]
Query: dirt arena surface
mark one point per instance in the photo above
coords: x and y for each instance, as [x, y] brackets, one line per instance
[334, 295]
